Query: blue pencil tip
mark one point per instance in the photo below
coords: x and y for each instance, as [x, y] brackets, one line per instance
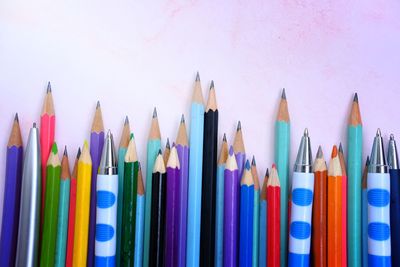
[247, 165]
[231, 152]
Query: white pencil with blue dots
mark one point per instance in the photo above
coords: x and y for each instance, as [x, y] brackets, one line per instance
[378, 195]
[106, 208]
[301, 209]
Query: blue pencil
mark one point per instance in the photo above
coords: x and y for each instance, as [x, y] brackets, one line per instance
[138, 256]
[263, 223]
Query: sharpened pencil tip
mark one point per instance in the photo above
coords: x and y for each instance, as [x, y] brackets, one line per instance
[98, 104]
[253, 161]
[79, 153]
[239, 126]
[367, 161]
[378, 132]
[340, 148]
[155, 113]
[392, 137]
[224, 138]
[283, 96]
[247, 165]
[48, 91]
[319, 153]
[168, 146]
[197, 77]
[126, 122]
[212, 85]
[355, 99]
[65, 151]
[183, 118]
[16, 117]
[267, 173]
[140, 166]
[159, 152]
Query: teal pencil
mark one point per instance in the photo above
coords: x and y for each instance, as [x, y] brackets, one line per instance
[354, 166]
[121, 160]
[282, 148]
[138, 256]
[153, 146]
[63, 208]
[256, 213]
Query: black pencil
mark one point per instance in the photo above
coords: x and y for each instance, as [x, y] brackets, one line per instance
[208, 198]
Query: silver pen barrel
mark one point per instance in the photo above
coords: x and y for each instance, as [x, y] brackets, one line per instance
[28, 230]
[377, 159]
[304, 156]
[392, 158]
[108, 162]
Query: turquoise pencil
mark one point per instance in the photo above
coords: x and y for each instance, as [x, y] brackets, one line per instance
[263, 223]
[63, 207]
[138, 256]
[121, 160]
[256, 213]
[195, 176]
[219, 223]
[282, 148]
[153, 146]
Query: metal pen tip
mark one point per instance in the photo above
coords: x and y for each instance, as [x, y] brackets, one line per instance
[197, 77]
[283, 96]
[48, 88]
[155, 113]
[239, 126]
[109, 134]
[391, 137]
[34, 125]
[305, 132]
[378, 132]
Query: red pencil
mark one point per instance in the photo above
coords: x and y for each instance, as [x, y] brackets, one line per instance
[71, 213]
[273, 219]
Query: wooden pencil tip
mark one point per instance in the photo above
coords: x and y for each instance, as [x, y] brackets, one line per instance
[16, 117]
[247, 165]
[139, 166]
[253, 161]
[212, 85]
[98, 104]
[159, 152]
[65, 151]
[79, 153]
[48, 91]
[126, 122]
[182, 118]
[319, 153]
[334, 152]
[197, 77]
[283, 96]
[340, 148]
[355, 99]
[367, 161]
[239, 126]
[267, 173]
[168, 145]
[155, 113]
[224, 138]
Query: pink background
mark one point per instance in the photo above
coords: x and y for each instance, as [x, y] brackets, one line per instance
[133, 56]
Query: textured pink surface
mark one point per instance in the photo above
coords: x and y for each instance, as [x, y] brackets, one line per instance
[133, 56]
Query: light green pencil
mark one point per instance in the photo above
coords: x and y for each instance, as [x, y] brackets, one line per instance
[354, 166]
[153, 146]
[256, 214]
[282, 148]
[63, 208]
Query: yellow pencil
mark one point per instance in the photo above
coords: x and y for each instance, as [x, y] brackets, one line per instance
[82, 207]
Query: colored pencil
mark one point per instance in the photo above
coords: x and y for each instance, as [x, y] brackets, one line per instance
[12, 194]
[128, 226]
[246, 217]
[301, 205]
[153, 146]
[344, 206]
[96, 148]
[263, 223]
[29, 213]
[83, 185]
[195, 176]
[209, 187]
[123, 144]
[256, 213]
[378, 196]
[319, 240]
[354, 167]
[238, 147]
[282, 150]
[71, 212]
[183, 154]
[106, 205]
[52, 196]
[158, 205]
[394, 172]
[219, 212]
[167, 151]
[139, 229]
[231, 211]
[364, 216]
[334, 210]
[273, 219]
[171, 239]
[63, 205]
[47, 130]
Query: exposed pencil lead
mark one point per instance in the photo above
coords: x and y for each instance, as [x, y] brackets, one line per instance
[168, 145]
[140, 166]
[98, 104]
[48, 88]
[183, 119]
[367, 161]
[231, 152]
[340, 148]
[16, 117]
[212, 85]
[253, 161]
[159, 152]
[391, 137]
[65, 151]
[267, 173]
[378, 132]
[34, 125]
[224, 138]
[155, 112]
[239, 126]
[126, 120]
[79, 153]
[355, 99]
[197, 77]
[305, 132]
[283, 96]
[319, 153]
[247, 165]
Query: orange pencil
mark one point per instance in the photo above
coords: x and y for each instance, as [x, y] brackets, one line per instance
[344, 206]
[335, 210]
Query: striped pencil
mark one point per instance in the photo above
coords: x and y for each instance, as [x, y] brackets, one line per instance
[153, 146]
[131, 169]
[394, 172]
[208, 197]
[301, 206]
[29, 213]
[47, 130]
[335, 210]
[282, 149]
[319, 240]
[171, 239]
[263, 223]
[123, 145]
[53, 174]
[139, 229]
[71, 212]
[195, 176]
[256, 213]
[273, 219]
[167, 151]
[378, 196]
[158, 206]
[354, 167]
[96, 148]
[183, 154]
[63, 205]
[84, 176]
[219, 212]
[344, 206]
[246, 217]
[238, 147]
[364, 217]
[12, 193]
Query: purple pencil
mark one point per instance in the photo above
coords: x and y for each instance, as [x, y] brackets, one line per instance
[171, 240]
[96, 148]
[231, 211]
[12, 192]
[182, 148]
[238, 147]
